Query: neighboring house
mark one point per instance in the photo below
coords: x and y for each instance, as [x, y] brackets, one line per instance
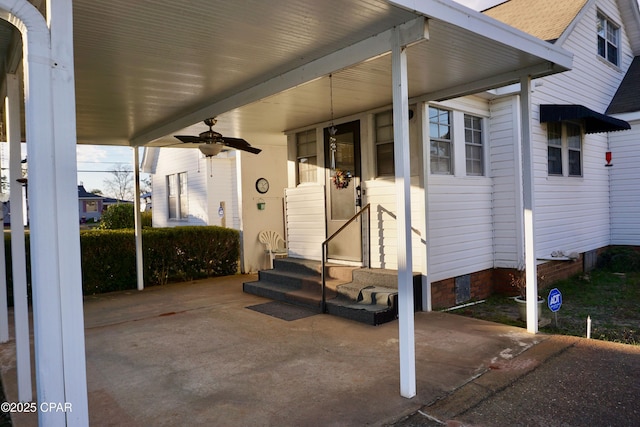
[189, 189]
[110, 201]
[90, 205]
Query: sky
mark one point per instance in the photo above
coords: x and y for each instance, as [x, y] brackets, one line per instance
[95, 162]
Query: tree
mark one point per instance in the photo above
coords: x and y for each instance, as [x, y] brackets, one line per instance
[120, 185]
[96, 191]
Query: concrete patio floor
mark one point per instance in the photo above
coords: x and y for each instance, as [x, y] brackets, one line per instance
[193, 354]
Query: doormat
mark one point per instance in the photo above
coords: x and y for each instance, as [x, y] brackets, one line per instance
[282, 310]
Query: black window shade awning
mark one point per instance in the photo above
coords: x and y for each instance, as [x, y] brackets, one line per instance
[593, 122]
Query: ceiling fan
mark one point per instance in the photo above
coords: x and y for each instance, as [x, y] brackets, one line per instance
[212, 142]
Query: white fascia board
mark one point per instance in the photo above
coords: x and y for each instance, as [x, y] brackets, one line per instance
[410, 32]
[499, 80]
[487, 27]
[627, 117]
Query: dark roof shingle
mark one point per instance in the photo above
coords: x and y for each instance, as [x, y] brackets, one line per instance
[627, 98]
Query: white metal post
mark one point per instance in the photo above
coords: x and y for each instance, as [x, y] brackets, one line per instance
[528, 195]
[138, 220]
[4, 307]
[427, 304]
[18, 248]
[60, 19]
[403, 204]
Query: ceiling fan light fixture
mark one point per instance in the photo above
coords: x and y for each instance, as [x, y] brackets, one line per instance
[210, 150]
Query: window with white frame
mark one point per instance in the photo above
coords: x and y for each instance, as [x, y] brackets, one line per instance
[608, 39]
[440, 136]
[384, 144]
[473, 145]
[564, 149]
[306, 156]
[177, 195]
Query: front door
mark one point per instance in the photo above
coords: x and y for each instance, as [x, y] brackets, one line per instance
[342, 166]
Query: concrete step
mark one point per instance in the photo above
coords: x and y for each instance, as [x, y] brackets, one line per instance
[307, 297]
[372, 314]
[313, 268]
[361, 294]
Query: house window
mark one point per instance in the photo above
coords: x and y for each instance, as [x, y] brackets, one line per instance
[440, 135]
[608, 39]
[564, 148]
[306, 156]
[574, 148]
[91, 206]
[384, 144]
[473, 145]
[177, 191]
[554, 137]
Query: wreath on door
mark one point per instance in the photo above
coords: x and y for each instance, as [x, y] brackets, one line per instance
[341, 179]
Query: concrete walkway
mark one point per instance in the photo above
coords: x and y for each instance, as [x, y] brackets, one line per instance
[193, 354]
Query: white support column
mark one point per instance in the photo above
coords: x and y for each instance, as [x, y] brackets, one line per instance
[4, 307]
[138, 220]
[528, 195]
[403, 203]
[60, 19]
[423, 110]
[18, 250]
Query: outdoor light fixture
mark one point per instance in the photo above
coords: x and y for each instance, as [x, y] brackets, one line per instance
[210, 150]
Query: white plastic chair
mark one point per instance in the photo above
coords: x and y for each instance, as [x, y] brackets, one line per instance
[275, 245]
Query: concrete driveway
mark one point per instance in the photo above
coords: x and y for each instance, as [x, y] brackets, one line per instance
[194, 354]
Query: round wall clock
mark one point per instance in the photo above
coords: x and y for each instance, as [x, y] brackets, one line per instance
[262, 185]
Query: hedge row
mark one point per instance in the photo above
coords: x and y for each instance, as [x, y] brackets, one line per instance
[170, 254]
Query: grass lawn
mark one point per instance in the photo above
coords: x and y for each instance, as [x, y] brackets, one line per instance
[612, 300]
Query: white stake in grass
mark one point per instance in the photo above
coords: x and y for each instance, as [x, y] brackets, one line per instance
[588, 327]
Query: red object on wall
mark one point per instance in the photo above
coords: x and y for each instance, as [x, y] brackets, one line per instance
[608, 158]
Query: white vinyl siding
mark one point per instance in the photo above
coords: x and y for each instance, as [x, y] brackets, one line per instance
[573, 214]
[505, 169]
[200, 180]
[305, 219]
[625, 191]
[381, 195]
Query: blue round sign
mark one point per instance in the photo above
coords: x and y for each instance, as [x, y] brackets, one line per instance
[554, 301]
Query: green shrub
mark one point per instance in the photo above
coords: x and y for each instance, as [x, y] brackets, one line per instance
[118, 217]
[170, 254]
[145, 218]
[620, 259]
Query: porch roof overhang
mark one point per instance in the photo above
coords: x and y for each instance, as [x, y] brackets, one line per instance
[146, 71]
[594, 122]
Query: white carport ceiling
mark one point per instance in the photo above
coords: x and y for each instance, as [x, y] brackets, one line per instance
[143, 65]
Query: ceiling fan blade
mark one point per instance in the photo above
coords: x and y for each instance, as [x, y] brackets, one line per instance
[240, 144]
[189, 139]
